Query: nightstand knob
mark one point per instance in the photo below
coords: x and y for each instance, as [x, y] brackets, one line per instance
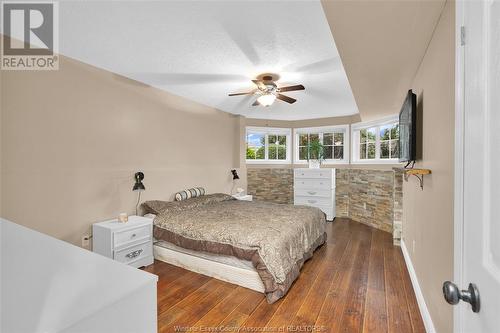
[133, 235]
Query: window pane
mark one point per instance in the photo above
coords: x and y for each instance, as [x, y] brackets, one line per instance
[302, 153]
[395, 131]
[328, 152]
[394, 148]
[282, 139]
[362, 151]
[303, 140]
[313, 137]
[328, 138]
[362, 136]
[338, 152]
[339, 139]
[384, 149]
[255, 146]
[260, 154]
[272, 139]
[281, 152]
[250, 153]
[371, 134]
[385, 132]
[272, 152]
[371, 150]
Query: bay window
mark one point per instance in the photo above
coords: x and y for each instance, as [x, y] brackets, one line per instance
[334, 139]
[268, 145]
[376, 142]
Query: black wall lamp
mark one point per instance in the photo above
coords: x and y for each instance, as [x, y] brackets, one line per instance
[139, 186]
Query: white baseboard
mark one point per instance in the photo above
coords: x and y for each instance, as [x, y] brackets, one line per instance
[424, 311]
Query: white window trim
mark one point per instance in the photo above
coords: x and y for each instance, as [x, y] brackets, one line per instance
[322, 129]
[266, 131]
[355, 141]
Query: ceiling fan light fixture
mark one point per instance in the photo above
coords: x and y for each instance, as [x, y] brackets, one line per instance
[266, 99]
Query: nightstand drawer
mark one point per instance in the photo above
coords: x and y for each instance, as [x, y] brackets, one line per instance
[134, 253]
[123, 237]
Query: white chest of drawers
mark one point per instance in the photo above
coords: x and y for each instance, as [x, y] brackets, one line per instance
[130, 243]
[316, 188]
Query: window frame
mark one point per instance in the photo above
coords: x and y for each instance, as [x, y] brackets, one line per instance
[266, 131]
[355, 129]
[320, 130]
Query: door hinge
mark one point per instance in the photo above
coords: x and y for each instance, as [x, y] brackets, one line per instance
[462, 35]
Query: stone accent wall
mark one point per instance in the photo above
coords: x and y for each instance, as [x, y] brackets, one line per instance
[372, 197]
[397, 224]
[274, 185]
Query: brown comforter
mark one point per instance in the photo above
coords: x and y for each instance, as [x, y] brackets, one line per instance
[277, 238]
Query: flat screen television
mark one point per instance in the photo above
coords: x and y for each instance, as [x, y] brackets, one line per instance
[408, 129]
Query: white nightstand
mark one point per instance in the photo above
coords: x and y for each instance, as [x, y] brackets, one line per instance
[246, 197]
[130, 243]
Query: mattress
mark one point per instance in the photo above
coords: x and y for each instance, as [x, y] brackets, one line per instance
[223, 259]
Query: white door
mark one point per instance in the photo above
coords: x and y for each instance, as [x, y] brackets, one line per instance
[480, 257]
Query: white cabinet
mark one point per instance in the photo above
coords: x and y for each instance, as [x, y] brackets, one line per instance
[130, 243]
[316, 188]
[49, 285]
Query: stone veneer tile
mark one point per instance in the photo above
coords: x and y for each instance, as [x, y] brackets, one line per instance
[274, 185]
[372, 197]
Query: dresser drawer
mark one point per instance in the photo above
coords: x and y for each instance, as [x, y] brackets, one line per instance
[313, 184]
[313, 193]
[313, 201]
[131, 235]
[313, 173]
[134, 253]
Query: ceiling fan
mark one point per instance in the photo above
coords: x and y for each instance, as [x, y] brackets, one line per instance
[268, 91]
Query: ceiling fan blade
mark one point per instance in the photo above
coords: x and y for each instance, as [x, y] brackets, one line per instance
[243, 93]
[286, 98]
[292, 88]
[255, 103]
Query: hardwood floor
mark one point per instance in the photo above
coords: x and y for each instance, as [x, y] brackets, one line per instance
[357, 282]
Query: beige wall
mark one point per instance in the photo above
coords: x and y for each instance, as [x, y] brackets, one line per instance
[428, 213]
[72, 139]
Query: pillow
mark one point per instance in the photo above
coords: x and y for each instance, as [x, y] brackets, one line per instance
[189, 193]
[157, 206]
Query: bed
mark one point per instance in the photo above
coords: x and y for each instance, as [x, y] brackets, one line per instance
[257, 245]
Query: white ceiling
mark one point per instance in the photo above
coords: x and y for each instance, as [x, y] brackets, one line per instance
[204, 50]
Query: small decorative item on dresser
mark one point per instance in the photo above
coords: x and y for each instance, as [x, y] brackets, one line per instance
[123, 217]
[316, 154]
[130, 243]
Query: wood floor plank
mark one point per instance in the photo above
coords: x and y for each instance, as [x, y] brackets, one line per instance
[375, 309]
[398, 317]
[311, 306]
[356, 282]
[415, 316]
[189, 317]
[353, 316]
[217, 314]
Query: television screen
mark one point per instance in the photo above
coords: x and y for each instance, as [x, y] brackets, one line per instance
[408, 128]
